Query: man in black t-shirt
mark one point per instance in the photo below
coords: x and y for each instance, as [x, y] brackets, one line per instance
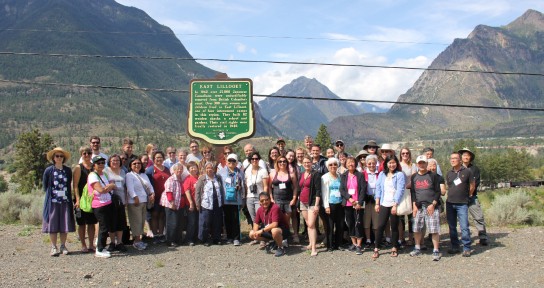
[474, 208]
[461, 185]
[425, 192]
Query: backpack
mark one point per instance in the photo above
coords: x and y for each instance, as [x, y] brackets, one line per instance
[86, 201]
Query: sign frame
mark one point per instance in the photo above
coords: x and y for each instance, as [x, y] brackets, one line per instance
[214, 95]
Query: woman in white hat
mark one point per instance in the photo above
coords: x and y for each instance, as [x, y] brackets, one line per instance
[58, 217]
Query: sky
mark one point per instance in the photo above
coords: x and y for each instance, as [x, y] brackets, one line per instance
[381, 32]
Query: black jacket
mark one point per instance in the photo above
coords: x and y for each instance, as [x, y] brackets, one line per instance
[361, 187]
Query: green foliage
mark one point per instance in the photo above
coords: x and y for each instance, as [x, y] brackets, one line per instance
[26, 208]
[513, 209]
[30, 159]
[323, 138]
[504, 166]
[3, 184]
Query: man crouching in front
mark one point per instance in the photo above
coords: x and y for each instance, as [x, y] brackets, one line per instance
[270, 224]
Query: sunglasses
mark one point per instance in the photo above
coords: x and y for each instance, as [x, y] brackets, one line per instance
[264, 200]
[232, 161]
[59, 156]
[282, 162]
[137, 163]
[333, 164]
[255, 159]
[227, 153]
[87, 153]
[405, 153]
[95, 143]
[339, 145]
[100, 163]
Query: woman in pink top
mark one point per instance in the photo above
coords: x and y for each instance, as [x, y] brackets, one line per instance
[100, 187]
[353, 190]
[171, 201]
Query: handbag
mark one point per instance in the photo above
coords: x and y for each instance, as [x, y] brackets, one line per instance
[405, 205]
[150, 204]
[85, 203]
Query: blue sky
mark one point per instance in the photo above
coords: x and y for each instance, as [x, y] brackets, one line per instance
[386, 32]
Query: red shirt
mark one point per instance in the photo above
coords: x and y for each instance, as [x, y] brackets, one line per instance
[189, 185]
[304, 183]
[273, 214]
[159, 178]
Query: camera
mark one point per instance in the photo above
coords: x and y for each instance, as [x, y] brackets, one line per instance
[253, 188]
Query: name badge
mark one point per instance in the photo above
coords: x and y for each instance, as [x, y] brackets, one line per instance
[228, 181]
[457, 181]
[282, 186]
[351, 191]
[60, 193]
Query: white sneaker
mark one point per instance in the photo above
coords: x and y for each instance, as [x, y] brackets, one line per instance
[54, 252]
[236, 242]
[284, 243]
[63, 250]
[102, 254]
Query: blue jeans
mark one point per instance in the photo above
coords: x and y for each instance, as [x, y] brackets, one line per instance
[210, 223]
[459, 212]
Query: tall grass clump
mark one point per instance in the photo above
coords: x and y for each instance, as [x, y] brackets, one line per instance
[513, 209]
[25, 208]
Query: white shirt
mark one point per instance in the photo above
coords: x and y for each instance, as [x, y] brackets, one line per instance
[255, 179]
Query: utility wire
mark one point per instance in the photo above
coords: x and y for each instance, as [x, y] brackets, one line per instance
[264, 61]
[273, 96]
[224, 35]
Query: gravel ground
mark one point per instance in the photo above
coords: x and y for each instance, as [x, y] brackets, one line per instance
[514, 259]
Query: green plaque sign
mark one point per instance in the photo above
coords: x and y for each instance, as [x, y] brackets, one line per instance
[221, 110]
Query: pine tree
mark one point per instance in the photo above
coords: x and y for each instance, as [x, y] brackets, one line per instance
[323, 138]
[30, 159]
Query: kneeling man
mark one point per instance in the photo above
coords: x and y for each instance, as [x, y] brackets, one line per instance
[269, 224]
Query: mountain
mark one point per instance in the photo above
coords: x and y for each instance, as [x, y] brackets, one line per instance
[370, 108]
[297, 118]
[93, 27]
[516, 47]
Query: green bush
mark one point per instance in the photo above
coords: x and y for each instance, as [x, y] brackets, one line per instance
[3, 184]
[512, 209]
[15, 207]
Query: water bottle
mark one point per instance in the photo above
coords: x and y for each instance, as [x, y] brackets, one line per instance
[78, 213]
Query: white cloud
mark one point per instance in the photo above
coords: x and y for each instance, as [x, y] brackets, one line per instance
[241, 48]
[349, 82]
[388, 34]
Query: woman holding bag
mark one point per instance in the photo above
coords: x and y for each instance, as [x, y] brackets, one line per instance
[140, 192]
[389, 191]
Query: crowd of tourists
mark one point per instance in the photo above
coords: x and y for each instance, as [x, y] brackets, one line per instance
[197, 196]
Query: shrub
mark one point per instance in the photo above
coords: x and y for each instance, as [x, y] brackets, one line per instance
[511, 209]
[15, 207]
[3, 184]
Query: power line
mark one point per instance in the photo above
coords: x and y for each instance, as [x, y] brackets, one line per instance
[272, 96]
[265, 61]
[225, 35]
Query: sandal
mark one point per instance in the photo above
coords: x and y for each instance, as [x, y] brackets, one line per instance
[84, 250]
[314, 254]
[375, 255]
[394, 253]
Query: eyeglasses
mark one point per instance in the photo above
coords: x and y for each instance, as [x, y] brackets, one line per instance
[405, 153]
[59, 156]
[100, 163]
[282, 162]
[95, 143]
[333, 164]
[264, 200]
[255, 159]
[232, 161]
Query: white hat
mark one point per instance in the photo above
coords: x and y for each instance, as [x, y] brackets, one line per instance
[386, 146]
[421, 158]
[232, 156]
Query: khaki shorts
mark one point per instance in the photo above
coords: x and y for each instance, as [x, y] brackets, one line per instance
[370, 216]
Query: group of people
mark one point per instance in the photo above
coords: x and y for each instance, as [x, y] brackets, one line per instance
[197, 196]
